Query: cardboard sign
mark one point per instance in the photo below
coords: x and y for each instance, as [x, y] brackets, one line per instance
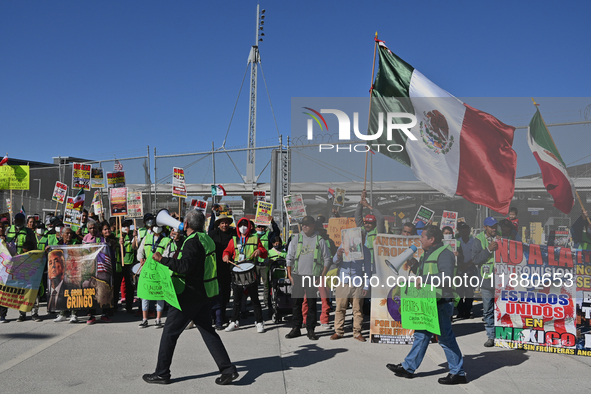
[264, 213]
[258, 195]
[295, 208]
[72, 217]
[424, 214]
[336, 225]
[179, 188]
[14, 177]
[199, 205]
[59, 192]
[339, 198]
[116, 179]
[135, 205]
[118, 201]
[449, 218]
[97, 178]
[352, 244]
[81, 176]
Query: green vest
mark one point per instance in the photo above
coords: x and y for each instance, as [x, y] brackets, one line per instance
[490, 263]
[274, 254]
[430, 266]
[371, 237]
[318, 260]
[248, 249]
[141, 234]
[129, 257]
[52, 239]
[149, 243]
[264, 241]
[42, 242]
[18, 237]
[210, 279]
[585, 241]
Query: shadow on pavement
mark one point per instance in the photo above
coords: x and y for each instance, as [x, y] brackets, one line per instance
[478, 365]
[26, 335]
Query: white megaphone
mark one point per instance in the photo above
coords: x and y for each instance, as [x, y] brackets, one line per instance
[164, 219]
[395, 264]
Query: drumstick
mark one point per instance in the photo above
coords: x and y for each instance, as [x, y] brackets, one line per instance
[233, 263]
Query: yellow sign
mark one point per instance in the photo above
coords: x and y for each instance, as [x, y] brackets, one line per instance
[401, 215]
[14, 177]
[535, 233]
[336, 225]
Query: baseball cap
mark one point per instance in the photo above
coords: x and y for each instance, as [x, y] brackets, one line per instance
[369, 219]
[19, 215]
[308, 220]
[490, 221]
[420, 224]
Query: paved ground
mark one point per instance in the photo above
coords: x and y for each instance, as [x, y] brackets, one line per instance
[53, 357]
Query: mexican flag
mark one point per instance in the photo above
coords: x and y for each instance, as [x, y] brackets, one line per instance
[456, 149]
[218, 190]
[79, 200]
[554, 174]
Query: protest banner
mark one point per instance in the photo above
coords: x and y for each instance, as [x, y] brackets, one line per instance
[155, 283]
[81, 176]
[116, 179]
[295, 208]
[118, 201]
[72, 217]
[352, 244]
[385, 319]
[419, 308]
[199, 205]
[97, 178]
[339, 198]
[79, 277]
[424, 214]
[20, 277]
[449, 218]
[135, 205]
[179, 188]
[14, 177]
[264, 214]
[59, 192]
[258, 195]
[336, 225]
[535, 290]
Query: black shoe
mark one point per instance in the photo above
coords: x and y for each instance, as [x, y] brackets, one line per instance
[453, 379]
[219, 327]
[153, 378]
[21, 318]
[294, 333]
[312, 336]
[36, 318]
[489, 343]
[399, 370]
[226, 378]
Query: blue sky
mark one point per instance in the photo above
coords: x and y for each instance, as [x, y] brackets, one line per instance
[98, 79]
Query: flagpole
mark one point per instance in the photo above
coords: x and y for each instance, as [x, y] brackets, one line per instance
[552, 139]
[375, 47]
[120, 220]
[11, 203]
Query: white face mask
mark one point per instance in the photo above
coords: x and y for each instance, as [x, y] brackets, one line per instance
[124, 230]
[58, 229]
[447, 236]
[157, 230]
[40, 231]
[243, 230]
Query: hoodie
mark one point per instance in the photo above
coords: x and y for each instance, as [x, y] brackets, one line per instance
[230, 249]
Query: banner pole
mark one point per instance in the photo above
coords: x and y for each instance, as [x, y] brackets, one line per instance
[370, 96]
[11, 204]
[119, 220]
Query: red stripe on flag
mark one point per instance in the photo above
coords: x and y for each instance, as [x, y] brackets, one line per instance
[557, 185]
[487, 161]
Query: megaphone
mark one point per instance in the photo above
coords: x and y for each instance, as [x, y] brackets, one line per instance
[395, 264]
[164, 219]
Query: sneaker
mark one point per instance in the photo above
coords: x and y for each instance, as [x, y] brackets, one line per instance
[326, 326]
[60, 318]
[91, 320]
[158, 324]
[106, 319]
[489, 343]
[260, 327]
[73, 319]
[232, 326]
[2, 319]
[143, 324]
[36, 318]
[21, 318]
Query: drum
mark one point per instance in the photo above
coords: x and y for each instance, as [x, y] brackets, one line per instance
[136, 268]
[244, 274]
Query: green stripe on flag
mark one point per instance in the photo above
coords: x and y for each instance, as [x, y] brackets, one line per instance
[540, 134]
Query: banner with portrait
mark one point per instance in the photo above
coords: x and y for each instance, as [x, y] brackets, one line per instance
[20, 277]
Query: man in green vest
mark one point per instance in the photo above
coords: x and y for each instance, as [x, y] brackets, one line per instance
[196, 284]
[371, 225]
[438, 260]
[21, 235]
[581, 232]
[483, 256]
[266, 238]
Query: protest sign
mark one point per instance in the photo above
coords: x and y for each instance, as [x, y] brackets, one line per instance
[449, 218]
[336, 225]
[339, 198]
[264, 214]
[135, 205]
[20, 277]
[352, 244]
[295, 208]
[453, 244]
[199, 205]
[258, 195]
[72, 217]
[97, 178]
[419, 308]
[155, 283]
[179, 188]
[385, 322]
[558, 238]
[81, 176]
[118, 201]
[98, 207]
[14, 177]
[59, 192]
[116, 179]
[9, 205]
[83, 280]
[424, 214]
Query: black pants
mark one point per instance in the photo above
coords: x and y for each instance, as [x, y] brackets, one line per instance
[3, 311]
[225, 285]
[298, 291]
[176, 322]
[253, 292]
[117, 279]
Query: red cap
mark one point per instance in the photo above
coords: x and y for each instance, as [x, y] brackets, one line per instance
[370, 219]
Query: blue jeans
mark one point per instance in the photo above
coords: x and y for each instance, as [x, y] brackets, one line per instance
[488, 309]
[447, 340]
